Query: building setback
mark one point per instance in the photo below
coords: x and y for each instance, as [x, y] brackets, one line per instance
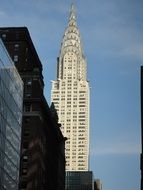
[70, 94]
[141, 158]
[42, 148]
[11, 99]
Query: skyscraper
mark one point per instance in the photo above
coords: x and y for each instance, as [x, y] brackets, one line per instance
[11, 98]
[70, 94]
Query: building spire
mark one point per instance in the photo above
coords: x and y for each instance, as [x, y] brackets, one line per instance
[72, 12]
[71, 43]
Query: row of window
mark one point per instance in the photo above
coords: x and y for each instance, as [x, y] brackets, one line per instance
[69, 120]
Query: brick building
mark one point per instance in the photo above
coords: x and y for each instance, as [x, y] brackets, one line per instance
[42, 163]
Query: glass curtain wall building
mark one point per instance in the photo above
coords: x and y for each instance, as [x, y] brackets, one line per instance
[11, 98]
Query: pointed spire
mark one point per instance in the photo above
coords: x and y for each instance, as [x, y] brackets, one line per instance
[72, 13]
[71, 39]
[71, 43]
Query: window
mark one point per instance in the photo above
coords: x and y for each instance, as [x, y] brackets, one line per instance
[29, 82]
[26, 132]
[3, 36]
[15, 58]
[24, 171]
[36, 69]
[16, 47]
[27, 107]
[82, 116]
[28, 95]
[27, 119]
[23, 186]
[25, 158]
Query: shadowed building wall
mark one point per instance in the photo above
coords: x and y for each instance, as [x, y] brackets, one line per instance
[42, 147]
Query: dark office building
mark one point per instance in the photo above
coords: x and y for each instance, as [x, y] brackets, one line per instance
[42, 149]
[11, 99]
[79, 180]
[141, 160]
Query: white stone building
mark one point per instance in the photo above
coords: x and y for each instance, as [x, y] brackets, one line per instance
[71, 96]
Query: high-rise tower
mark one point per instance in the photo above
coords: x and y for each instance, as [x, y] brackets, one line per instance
[70, 94]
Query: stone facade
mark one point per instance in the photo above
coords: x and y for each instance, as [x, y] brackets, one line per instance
[71, 96]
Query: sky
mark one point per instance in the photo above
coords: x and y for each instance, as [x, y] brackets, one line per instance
[112, 37]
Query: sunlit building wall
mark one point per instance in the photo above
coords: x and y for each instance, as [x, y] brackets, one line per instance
[11, 98]
[70, 94]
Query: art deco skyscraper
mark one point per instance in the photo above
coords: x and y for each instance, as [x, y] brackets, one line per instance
[70, 94]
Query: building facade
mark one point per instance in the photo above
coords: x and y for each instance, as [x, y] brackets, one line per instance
[11, 99]
[42, 161]
[79, 180]
[141, 158]
[70, 94]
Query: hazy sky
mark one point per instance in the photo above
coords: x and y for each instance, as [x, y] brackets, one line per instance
[112, 36]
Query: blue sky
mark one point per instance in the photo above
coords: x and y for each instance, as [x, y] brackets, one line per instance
[112, 36]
